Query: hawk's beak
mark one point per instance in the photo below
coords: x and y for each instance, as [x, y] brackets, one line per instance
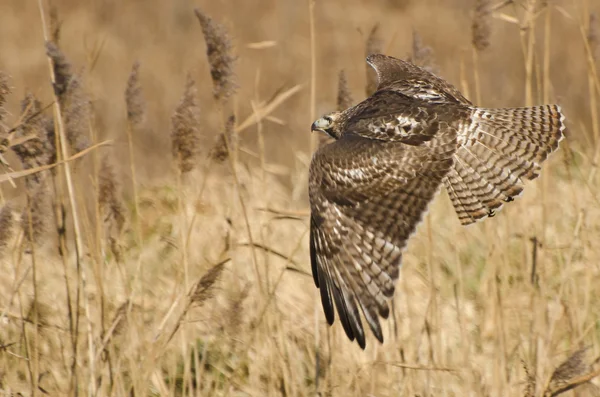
[314, 127]
[319, 125]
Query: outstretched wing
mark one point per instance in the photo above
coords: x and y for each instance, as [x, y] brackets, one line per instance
[413, 81]
[367, 198]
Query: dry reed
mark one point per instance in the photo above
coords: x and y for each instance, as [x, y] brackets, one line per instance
[37, 215]
[277, 330]
[574, 366]
[221, 59]
[185, 132]
[73, 100]
[109, 196]
[481, 26]
[220, 150]
[39, 150]
[134, 98]
[203, 289]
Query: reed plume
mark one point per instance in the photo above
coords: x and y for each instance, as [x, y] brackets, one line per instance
[39, 149]
[203, 289]
[185, 132]
[574, 366]
[374, 45]
[39, 207]
[134, 98]
[109, 196]
[221, 59]
[219, 152]
[6, 225]
[74, 102]
[481, 27]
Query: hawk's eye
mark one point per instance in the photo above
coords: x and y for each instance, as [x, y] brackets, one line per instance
[329, 120]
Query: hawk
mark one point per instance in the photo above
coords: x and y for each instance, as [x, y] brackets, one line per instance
[391, 153]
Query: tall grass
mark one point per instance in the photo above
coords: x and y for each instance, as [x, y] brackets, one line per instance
[193, 276]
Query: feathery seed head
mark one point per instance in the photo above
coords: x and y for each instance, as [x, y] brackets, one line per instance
[6, 225]
[481, 27]
[185, 128]
[219, 51]
[202, 290]
[39, 150]
[109, 195]
[219, 152]
[38, 204]
[72, 97]
[374, 45]
[136, 107]
[574, 366]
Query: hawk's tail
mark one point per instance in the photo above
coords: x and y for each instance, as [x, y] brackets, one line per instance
[497, 149]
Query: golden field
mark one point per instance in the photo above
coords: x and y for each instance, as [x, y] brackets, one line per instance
[162, 261]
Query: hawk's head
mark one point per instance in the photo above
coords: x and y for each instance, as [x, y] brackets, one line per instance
[329, 124]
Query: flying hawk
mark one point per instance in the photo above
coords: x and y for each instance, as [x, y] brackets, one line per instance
[370, 187]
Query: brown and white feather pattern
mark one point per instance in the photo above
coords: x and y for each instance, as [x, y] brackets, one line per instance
[370, 188]
[498, 148]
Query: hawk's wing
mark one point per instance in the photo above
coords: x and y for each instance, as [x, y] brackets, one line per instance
[390, 115]
[367, 198]
[413, 81]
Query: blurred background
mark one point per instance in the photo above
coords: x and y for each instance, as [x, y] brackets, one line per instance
[193, 275]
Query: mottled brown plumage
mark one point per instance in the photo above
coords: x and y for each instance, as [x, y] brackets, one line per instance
[370, 188]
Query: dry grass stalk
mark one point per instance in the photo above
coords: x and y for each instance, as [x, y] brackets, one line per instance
[422, 55]
[39, 150]
[481, 27]
[185, 139]
[374, 45]
[74, 102]
[134, 99]
[109, 196]
[39, 208]
[228, 137]
[6, 225]
[219, 51]
[593, 36]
